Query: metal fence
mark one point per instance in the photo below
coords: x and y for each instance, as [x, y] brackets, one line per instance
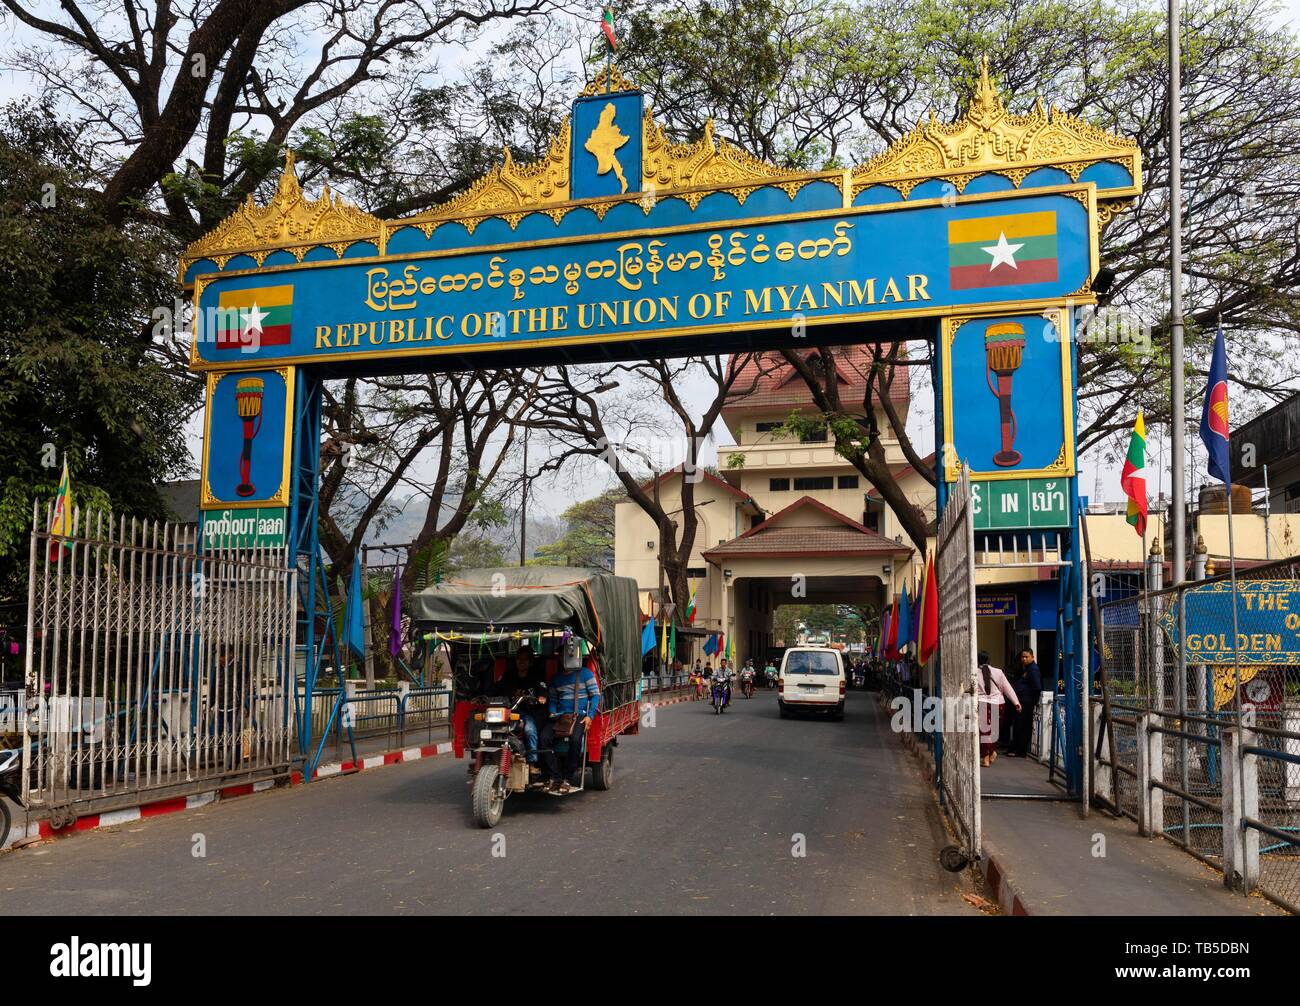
[154, 663]
[399, 715]
[1209, 735]
[959, 766]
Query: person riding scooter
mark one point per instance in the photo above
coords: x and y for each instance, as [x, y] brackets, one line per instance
[747, 681]
[721, 682]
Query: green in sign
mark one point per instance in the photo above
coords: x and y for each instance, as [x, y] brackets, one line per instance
[259, 527]
[1020, 504]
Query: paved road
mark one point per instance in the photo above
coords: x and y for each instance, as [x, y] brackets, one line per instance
[701, 820]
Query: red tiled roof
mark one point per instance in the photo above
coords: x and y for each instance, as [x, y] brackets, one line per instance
[775, 383]
[677, 470]
[777, 537]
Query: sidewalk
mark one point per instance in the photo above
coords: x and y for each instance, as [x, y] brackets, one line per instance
[1043, 853]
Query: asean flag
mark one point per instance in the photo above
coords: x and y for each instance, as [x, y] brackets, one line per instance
[1214, 413]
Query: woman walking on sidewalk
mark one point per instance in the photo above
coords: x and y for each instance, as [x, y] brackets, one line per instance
[990, 687]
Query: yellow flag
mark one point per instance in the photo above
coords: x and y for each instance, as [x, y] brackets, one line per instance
[61, 519]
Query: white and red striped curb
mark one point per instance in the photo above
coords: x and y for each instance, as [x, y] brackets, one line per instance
[380, 760]
[39, 830]
[1004, 890]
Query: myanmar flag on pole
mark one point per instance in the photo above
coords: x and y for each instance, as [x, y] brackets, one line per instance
[1133, 479]
[61, 519]
[607, 26]
[1010, 250]
[690, 608]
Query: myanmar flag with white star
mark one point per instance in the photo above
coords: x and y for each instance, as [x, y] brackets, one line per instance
[258, 316]
[1009, 250]
[1133, 477]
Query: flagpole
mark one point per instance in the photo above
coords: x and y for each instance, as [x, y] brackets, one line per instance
[609, 52]
[1177, 406]
[1232, 580]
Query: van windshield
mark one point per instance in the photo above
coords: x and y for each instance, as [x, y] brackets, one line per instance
[812, 662]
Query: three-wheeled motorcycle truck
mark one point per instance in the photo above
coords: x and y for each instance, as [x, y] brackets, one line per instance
[568, 619]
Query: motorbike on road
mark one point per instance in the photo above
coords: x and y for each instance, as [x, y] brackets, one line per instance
[721, 696]
[11, 787]
[747, 687]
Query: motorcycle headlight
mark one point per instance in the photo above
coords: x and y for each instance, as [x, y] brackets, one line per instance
[495, 714]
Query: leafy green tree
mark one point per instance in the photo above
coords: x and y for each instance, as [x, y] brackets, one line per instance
[589, 534]
[80, 374]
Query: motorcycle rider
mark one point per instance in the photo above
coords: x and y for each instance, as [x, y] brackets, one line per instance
[747, 678]
[517, 681]
[722, 678]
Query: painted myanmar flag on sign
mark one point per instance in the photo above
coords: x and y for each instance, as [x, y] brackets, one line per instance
[1002, 251]
[258, 316]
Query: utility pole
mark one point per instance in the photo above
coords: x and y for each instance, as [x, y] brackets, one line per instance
[1177, 406]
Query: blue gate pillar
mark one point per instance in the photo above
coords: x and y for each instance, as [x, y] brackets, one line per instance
[304, 512]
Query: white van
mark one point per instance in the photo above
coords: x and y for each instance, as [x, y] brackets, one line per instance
[812, 679]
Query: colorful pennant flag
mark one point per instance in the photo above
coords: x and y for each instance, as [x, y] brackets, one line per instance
[354, 628]
[690, 607]
[1133, 477]
[918, 607]
[711, 644]
[903, 634]
[61, 518]
[648, 636]
[1011, 250]
[928, 637]
[1214, 413]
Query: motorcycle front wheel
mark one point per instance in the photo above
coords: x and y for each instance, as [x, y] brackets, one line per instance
[6, 821]
[488, 799]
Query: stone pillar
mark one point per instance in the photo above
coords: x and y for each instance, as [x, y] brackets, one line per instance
[1151, 763]
[1102, 772]
[1150, 640]
[1240, 800]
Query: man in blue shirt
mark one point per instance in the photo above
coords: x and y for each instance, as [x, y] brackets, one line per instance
[574, 695]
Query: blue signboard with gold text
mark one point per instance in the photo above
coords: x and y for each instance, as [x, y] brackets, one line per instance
[1267, 629]
[763, 273]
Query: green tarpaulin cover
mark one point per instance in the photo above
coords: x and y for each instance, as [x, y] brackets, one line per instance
[600, 607]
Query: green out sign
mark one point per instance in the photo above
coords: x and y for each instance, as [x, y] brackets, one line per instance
[1020, 504]
[259, 527]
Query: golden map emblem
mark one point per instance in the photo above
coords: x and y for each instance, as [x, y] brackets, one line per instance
[603, 144]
